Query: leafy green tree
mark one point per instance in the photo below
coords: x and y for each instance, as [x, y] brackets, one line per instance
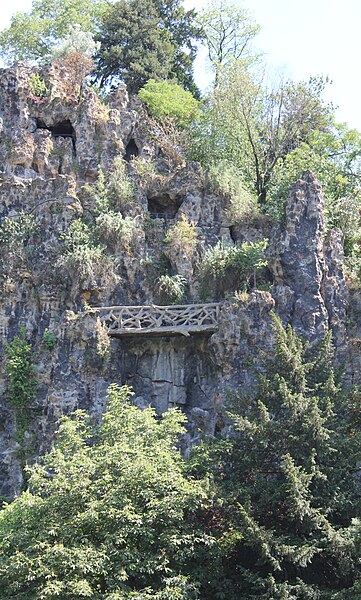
[106, 513]
[255, 128]
[228, 30]
[147, 39]
[32, 35]
[169, 99]
[286, 484]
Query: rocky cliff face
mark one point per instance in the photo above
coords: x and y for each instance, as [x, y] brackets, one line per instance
[53, 151]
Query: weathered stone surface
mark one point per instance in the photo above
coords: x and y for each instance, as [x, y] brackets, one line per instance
[48, 175]
[309, 285]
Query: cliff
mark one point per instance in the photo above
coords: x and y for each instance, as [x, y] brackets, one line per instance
[65, 153]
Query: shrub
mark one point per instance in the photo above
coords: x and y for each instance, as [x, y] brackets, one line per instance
[170, 289]
[108, 513]
[169, 99]
[76, 41]
[115, 230]
[22, 386]
[120, 185]
[49, 339]
[38, 86]
[182, 236]
[227, 268]
[83, 260]
[225, 179]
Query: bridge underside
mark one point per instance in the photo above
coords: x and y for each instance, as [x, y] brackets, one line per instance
[167, 331]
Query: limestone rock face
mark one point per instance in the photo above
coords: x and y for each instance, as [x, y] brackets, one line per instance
[52, 150]
[307, 265]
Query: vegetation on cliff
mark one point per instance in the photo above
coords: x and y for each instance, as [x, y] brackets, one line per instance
[114, 512]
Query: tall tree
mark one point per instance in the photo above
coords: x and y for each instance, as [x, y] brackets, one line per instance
[147, 39]
[254, 127]
[135, 45]
[105, 515]
[286, 493]
[31, 36]
[228, 30]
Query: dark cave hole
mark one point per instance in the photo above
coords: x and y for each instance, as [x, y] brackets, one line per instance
[163, 206]
[131, 150]
[62, 129]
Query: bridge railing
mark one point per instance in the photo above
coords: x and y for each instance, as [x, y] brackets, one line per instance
[182, 319]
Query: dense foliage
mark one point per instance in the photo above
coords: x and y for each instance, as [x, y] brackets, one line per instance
[113, 512]
[105, 515]
[286, 485]
[146, 39]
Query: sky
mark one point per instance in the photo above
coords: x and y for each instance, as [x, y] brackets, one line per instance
[301, 38]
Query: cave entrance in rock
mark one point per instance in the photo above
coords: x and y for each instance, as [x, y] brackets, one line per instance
[62, 129]
[163, 206]
[131, 150]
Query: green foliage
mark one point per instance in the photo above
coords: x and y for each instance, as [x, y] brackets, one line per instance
[121, 186]
[49, 339]
[228, 30]
[227, 268]
[255, 128]
[285, 484]
[31, 36]
[170, 289]
[106, 515]
[169, 99]
[83, 260]
[116, 231]
[21, 386]
[225, 179]
[182, 236]
[17, 240]
[38, 86]
[147, 39]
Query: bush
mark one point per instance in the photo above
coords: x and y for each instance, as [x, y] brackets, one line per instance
[169, 99]
[170, 289]
[107, 514]
[22, 386]
[83, 260]
[225, 179]
[182, 236]
[120, 185]
[227, 268]
[115, 230]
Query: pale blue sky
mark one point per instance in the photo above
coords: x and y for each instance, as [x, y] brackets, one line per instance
[302, 37]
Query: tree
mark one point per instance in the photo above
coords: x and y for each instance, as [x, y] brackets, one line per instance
[135, 46]
[31, 36]
[184, 31]
[147, 39]
[255, 128]
[106, 513]
[286, 484]
[228, 30]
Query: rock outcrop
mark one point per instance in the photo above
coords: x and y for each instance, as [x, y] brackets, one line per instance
[52, 150]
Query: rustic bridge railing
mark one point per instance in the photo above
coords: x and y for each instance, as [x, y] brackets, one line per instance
[175, 319]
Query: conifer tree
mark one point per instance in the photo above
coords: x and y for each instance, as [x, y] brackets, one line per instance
[286, 487]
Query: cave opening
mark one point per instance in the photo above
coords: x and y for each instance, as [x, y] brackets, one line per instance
[62, 129]
[163, 206]
[131, 150]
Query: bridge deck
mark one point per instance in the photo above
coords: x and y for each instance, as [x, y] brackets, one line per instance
[160, 320]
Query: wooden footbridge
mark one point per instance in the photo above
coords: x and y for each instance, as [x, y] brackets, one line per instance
[160, 320]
